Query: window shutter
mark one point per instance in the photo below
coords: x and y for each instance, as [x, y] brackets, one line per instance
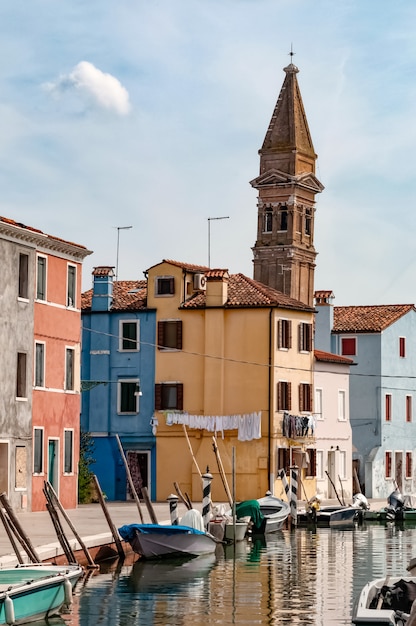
[279, 333]
[289, 396]
[179, 396]
[158, 397]
[300, 335]
[279, 397]
[312, 461]
[289, 334]
[309, 327]
[179, 335]
[160, 334]
[301, 398]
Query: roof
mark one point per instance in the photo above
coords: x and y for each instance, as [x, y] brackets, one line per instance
[368, 319]
[128, 295]
[40, 238]
[189, 267]
[328, 357]
[245, 292]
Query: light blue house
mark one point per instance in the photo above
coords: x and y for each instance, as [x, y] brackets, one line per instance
[117, 372]
[381, 340]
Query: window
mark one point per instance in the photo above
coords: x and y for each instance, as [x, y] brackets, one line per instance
[283, 460]
[342, 415]
[388, 465]
[68, 451]
[24, 276]
[320, 464]
[128, 396]
[39, 364]
[169, 335]
[69, 369]
[284, 334]
[72, 286]
[169, 396]
[20, 469]
[41, 278]
[165, 286]
[129, 336]
[268, 220]
[284, 396]
[388, 407]
[305, 397]
[402, 346]
[305, 337]
[283, 218]
[308, 221]
[309, 462]
[408, 408]
[38, 450]
[348, 346]
[21, 375]
[318, 404]
[409, 465]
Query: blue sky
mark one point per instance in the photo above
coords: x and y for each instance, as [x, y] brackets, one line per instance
[151, 114]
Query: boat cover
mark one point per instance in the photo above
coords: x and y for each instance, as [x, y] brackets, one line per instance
[251, 509]
[128, 531]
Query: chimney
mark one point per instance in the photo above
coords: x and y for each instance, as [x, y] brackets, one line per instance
[102, 295]
[216, 287]
[324, 320]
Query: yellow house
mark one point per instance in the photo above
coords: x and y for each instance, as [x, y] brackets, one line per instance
[234, 361]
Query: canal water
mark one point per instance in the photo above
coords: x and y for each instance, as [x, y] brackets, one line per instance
[305, 577]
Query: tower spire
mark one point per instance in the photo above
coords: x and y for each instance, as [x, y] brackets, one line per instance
[284, 254]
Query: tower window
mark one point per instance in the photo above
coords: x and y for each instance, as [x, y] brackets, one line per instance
[308, 221]
[268, 220]
[283, 218]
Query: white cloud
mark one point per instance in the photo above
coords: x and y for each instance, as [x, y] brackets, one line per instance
[104, 89]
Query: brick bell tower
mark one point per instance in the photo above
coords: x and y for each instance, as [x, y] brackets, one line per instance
[284, 253]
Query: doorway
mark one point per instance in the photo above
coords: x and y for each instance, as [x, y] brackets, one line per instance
[4, 468]
[53, 463]
[398, 469]
[138, 463]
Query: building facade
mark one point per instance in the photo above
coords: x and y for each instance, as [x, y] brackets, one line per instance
[382, 389]
[234, 360]
[118, 355]
[40, 398]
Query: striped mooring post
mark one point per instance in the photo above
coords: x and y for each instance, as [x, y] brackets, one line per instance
[282, 476]
[206, 497]
[173, 508]
[294, 494]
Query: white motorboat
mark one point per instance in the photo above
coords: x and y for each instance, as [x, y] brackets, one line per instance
[385, 601]
[275, 512]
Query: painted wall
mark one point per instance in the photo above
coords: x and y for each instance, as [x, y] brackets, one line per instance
[16, 335]
[333, 435]
[55, 408]
[103, 361]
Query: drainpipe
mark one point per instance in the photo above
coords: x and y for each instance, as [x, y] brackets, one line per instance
[269, 437]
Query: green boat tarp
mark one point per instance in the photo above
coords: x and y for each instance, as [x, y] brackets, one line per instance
[251, 509]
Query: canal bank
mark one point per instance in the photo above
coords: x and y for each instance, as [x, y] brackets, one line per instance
[92, 527]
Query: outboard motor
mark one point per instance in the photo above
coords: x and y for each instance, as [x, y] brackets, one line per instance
[394, 510]
[359, 501]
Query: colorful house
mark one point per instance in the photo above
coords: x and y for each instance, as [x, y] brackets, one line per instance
[379, 339]
[234, 358]
[40, 399]
[118, 355]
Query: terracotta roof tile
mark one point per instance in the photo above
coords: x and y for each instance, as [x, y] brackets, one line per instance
[128, 295]
[368, 319]
[103, 270]
[328, 357]
[246, 292]
[186, 266]
[7, 220]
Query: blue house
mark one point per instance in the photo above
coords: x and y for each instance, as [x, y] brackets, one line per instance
[381, 340]
[117, 372]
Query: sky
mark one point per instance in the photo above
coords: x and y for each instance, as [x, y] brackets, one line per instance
[150, 114]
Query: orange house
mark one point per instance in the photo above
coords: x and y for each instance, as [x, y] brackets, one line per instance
[56, 400]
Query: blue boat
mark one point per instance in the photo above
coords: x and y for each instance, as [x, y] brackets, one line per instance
[33, 592]
[158, 540]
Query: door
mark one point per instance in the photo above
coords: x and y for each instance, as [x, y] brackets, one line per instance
[331, 474]
[398, 471]
[138, 463]
[4, 468]
[53, 463]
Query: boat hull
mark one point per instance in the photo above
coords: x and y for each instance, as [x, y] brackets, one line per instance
[329, 516]
[275, 511]
[364, 615]
[36, 592]
[158, 541]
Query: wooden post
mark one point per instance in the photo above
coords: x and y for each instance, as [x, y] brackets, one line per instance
[48, 487]
[183, 498]
[129, 478]
[21, 535]
[9, 532]
[108, 518]
[191, 451]
[222, 472]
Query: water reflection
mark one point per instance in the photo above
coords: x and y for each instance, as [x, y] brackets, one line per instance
[303, 577]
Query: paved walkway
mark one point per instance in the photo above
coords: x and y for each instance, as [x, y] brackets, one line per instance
[91, 526]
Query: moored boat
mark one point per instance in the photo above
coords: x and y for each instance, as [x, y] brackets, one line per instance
[32, 592]
[275, 511]
[166, 540]
[328, 516]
